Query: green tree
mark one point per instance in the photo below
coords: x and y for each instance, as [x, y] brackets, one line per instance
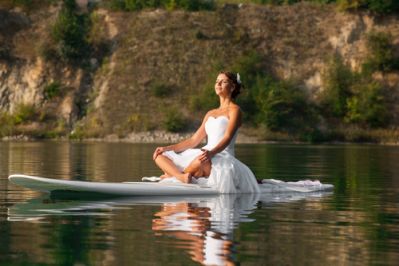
[350, 4]
[381, 53]
[174, 121]
[251, 69]
[69, 33]
[378, 6]
[337, 81]
[282, 105]
[383, 6]
[135, 5]
[368, 105]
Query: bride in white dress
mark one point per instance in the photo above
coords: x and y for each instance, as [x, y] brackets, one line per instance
[214, 163]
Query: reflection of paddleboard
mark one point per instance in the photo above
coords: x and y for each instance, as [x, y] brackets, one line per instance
[224, 206]
[49, 185]
[43, 206]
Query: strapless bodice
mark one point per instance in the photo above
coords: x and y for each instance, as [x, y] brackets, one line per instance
[215, 128]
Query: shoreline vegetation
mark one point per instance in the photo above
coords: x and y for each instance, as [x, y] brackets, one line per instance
[354, 102]
[376, 6]
[245, 136]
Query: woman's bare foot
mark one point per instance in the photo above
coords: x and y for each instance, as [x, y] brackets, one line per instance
[185, 178]
[164, 176]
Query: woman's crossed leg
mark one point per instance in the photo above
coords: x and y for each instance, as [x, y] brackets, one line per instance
[196, 168]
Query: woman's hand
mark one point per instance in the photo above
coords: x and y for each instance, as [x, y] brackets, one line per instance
[205, 156]
[158, 151]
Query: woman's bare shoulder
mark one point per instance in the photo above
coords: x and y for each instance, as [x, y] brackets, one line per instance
[234, 108]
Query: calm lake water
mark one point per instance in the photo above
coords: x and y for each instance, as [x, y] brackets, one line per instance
[356, 224]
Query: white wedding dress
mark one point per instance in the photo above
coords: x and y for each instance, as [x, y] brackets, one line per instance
[229, 175]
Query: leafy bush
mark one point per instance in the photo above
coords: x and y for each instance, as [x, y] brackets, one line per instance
[77, 133]
[47, 51]
[354, 97]
[174, 121]
[135, 5]
[161, 90]
[69, 33]
[192, 5]
[5, 53]
[24, 113]
[200, 35]
[252, 98]
[349, 4]
[27, 5]
[205, 100]
[383, 6]
[378, 6]
[276, 2]
[250, 67]
[52, 90]
[368, 105]
[381, 55]
[132, 5]
[138, 122]
[337, 79]
[282, 105]
[6, 124]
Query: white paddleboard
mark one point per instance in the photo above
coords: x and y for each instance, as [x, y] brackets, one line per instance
[50, 185]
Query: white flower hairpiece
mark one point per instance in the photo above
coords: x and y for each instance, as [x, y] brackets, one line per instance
[238, 78]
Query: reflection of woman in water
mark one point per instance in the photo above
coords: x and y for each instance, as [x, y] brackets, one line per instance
[188, 222]
[214, 164]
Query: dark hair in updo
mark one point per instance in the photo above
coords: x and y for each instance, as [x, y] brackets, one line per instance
[237, 86]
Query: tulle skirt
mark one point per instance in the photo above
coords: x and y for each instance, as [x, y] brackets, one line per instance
[228, 175]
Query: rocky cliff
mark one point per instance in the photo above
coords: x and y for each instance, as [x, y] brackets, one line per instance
[176, 50]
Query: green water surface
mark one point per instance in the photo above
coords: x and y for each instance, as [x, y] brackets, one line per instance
[356, 224]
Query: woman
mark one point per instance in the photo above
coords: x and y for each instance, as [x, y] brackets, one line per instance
[214, 164]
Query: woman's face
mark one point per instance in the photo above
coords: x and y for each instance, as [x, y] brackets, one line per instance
[223, 86]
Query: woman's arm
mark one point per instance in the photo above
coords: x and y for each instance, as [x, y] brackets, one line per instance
[191, 142]
[234, 124]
